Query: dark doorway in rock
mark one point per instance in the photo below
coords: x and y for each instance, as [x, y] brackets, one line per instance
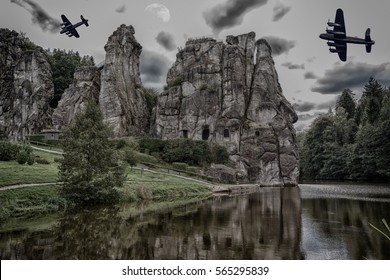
[205, 134]
[185, 133]
[257, 133]
[226, 133]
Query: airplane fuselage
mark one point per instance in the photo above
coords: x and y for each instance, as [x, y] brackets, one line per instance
[351, 40]
[67, 28]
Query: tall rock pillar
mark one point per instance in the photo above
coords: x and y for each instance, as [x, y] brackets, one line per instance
[121, 97]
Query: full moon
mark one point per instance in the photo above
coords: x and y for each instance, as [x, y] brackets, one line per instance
[159, 10]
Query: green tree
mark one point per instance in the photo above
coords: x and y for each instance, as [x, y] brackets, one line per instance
[346, 101]
[370, 103]
[90, 170]
[317, 147]
[151, 95]
[63, 65]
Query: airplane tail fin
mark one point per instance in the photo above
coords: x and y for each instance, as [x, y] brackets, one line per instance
[368, 40]
[85, 21]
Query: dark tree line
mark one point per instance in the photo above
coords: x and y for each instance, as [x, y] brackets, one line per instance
[353, 142]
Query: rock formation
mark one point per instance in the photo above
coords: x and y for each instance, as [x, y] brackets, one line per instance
[121, 97]
[229, 94]
[85, 87]
[26, 86]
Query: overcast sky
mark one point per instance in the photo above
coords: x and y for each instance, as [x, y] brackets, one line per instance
[310, 76]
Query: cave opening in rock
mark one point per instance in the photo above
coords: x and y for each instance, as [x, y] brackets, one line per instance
[185, 133]
[226, 133]
[205, 134]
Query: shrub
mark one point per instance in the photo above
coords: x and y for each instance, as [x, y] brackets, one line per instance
[192, 169]
[40, 160]
[36, 138]
[121, 143]
[151, 145]
[23, 157]
[8, 151]
[186, 150]
[30, 160]
[144, 158]
[180, 166]
[175, 82]
[25, 154]
[219, 154]
[130, 157]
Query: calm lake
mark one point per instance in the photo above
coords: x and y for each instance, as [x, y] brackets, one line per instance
[309, 222]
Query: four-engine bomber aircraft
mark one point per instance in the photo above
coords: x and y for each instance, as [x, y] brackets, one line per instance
[69, 29]
[339, 38]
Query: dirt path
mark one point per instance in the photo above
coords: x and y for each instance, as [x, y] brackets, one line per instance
[19, 186]
[47, 151]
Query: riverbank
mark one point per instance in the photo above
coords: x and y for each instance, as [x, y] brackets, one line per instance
[141, 185]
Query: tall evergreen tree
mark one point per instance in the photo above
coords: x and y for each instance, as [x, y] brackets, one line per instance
[346, 101]
[89, 170]
[371, 101]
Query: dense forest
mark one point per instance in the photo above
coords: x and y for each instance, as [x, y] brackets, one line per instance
[351, 143]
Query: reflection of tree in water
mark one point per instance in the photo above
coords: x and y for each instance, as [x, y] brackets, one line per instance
[261, 226]
[265, 225]
[88, 234]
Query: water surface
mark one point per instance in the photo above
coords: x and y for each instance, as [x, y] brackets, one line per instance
[310, 222]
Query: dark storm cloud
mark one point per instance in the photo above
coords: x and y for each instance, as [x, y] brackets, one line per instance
[280, 10]
[279, 45]
[304, 107]
[166, 40]
[229, 13]
[292, 66]
[310, 76]
[39, 15]
[351, 75]
[121, 9]
[153, 67]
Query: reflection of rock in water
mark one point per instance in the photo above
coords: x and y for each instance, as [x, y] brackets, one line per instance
[265, 225]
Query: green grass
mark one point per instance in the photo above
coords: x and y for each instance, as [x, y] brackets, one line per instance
[156, 186]
[140, 186]
[23, 201]
[13, 173]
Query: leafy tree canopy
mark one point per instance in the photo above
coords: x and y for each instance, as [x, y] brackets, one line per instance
[90, 170]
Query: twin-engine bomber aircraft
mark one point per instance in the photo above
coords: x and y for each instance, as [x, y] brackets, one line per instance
[339, 38]
[69, 29]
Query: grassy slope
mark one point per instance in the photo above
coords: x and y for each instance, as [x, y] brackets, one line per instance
[12, 173]
[43, 199]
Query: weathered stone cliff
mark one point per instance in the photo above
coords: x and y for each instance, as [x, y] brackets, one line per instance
[121, 97]
[230, 94]
[26, 87]
[85, 87]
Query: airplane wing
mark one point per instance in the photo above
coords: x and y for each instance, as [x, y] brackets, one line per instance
[340, 25]
[65, 21]
[74, 32]
[68, 27]
[342, 52]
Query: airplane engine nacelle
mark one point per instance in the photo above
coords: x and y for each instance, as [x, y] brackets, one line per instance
[334, 32]
[334, 51]
[331, 44]
[332, 24]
